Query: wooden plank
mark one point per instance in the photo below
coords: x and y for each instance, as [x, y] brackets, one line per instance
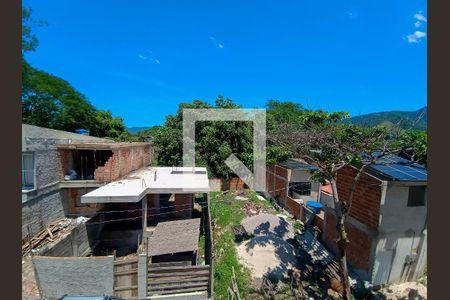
[179, 276]
[181, 269]
[177, 285]
[177, 291]
[125, 288]
[125, 272]
[170, 264]
[125, 261]
[172, 281]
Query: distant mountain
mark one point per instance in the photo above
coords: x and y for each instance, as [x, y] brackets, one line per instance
[137, 129]
[416, 120]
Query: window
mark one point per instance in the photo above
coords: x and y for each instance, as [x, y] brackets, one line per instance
[27, 171]
[416, 196]
[300, 188]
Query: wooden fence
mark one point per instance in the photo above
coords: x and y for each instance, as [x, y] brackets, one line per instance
[125, 278]
[177, 277]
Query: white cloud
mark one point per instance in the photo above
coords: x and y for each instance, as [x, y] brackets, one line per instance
[417, 24]
[420, 17]
[157, 61]
[416, 37]
[143, 57]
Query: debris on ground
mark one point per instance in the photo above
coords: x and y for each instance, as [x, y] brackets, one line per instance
[81, 220]
[263, 224]
[54, 232]
[403, 291]
[240, 198]
[252, 209]
[260, 197]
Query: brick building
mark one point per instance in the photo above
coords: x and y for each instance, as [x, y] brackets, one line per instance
[290, 183]
[387, 222]
[49, 156]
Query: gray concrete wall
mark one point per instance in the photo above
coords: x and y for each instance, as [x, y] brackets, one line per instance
[47, 202]
[402, 233]
[46, 205]
[396, 216]
[81, 276]
[81, 240]
[390, 259]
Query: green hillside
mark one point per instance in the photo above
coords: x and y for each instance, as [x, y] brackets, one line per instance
[416, 120]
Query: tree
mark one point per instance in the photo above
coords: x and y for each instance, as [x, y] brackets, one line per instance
[414, 145]
[324, 141]
[29, 40]
[215, 141]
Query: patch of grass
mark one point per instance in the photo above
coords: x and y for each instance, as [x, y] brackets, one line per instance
[202, 247]
[226, 212]
[297, 225]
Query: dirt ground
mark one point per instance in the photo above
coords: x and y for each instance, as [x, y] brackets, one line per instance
[30, 289]
[265, 255]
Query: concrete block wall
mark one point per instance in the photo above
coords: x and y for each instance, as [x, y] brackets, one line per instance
[78, 242]
[367, 196]
[81, 276]
[45, 207]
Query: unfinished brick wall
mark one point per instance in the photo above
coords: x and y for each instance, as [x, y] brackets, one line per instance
[122, 162]
[277, 183]
[295, 208]
[64, 157]
[183, 205]
[75, 205]
[367, 196]
[358, 251]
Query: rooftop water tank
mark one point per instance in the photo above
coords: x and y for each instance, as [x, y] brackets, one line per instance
[82, 131]
[314, 206]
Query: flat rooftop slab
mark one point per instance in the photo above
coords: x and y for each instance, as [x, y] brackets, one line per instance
[151, 180]
[174, 237]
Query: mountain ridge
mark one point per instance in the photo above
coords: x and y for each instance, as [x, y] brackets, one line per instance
[415, 120]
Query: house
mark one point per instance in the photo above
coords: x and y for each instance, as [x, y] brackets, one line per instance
[123, 227]
[387, 223]
[146, 239]
[59, 166]
[291, 184]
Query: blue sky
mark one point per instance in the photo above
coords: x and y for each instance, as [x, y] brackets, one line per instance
[140, 59]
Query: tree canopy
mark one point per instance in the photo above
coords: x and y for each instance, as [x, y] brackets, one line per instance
[215, 141]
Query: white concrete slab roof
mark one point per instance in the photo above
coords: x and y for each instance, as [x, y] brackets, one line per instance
[151, 180]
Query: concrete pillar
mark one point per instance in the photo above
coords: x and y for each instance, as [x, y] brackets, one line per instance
[142, 276]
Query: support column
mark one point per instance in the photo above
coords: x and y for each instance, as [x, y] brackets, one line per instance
[144, 215]
[142, 276]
